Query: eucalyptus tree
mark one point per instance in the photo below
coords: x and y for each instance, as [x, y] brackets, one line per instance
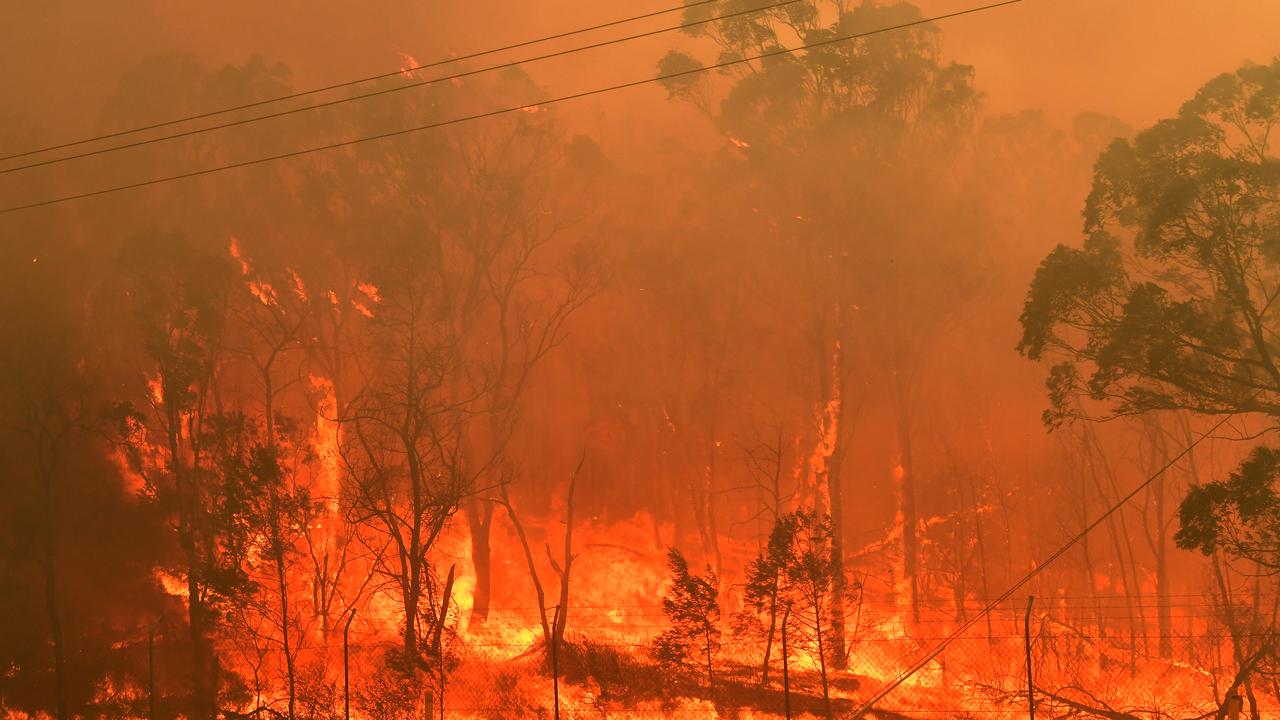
[1170, 302]
[176, 438]
[842, 152]
[692, 607]
[796, 571]
[46, 407]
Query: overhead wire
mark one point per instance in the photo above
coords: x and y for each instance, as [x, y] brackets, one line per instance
[357, 81]
[398, 88]
[915, 667]
[509, 109]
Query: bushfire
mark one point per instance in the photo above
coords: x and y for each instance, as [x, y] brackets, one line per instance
[733, 359]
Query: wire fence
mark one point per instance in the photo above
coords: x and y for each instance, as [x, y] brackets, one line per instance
[604, 668]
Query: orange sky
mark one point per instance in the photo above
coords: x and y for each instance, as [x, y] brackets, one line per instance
[1137, 59]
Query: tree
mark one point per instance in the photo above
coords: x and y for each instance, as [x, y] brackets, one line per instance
[797, 571]
[179, 296]
[1171, 301]
[761, 588]
[1240, 515]
[691, 606]
[762, 593]
[815, 129]
[44, 404]
[77, 548]
[272, 310]
[553, 630]
[404, 448]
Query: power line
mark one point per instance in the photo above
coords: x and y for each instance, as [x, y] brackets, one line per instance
[348, 83]
[937, 650]
[507, 110]
[396, 89]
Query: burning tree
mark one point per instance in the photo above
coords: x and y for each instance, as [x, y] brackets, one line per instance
[691, 606]
[788, 115]
[180, 297]
[403, 450]
[272, 310]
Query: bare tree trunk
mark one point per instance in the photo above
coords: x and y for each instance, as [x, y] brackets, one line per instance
[1235, 629]
[839, 583]
[202, 682]
[981, 544]
[1164, 611]
[822, 657]
[711, 687]
[1157, 538]
[278, 545]
[283, 585]
[552, 629]
[533, 568]
[51, 595]
[773, 626]
[1086, 551]
[704, 497]
[1119, 542]
[827, 465]
[409, 639]
[479, 524]
[907, 506]
[437, 630]
[563, 569]
[767, 463]
[713, 516]
[958, 590]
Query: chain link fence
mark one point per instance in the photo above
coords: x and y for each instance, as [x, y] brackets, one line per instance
[604, 669]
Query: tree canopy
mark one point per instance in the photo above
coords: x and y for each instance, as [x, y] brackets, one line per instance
[1171, 301]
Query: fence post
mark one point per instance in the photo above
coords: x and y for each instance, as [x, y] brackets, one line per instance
[1026, 637]
[786, 670]
[555, 663]
[346, 666]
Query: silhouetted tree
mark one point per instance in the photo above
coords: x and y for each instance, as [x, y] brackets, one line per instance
[43, 402]
[691, 606]
[1170, 303]
[1240, 515]
[403, 449]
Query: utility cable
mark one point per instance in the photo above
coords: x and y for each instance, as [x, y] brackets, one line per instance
[937, 650]
[506, 110]
[370, 78]
[396, 89]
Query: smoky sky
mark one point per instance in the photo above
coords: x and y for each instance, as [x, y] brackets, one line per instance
[1135, 59]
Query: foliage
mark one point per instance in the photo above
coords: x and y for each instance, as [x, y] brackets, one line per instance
[1239, 515]
[1170, 303]
[797, 571]
[798, 566]
[797, 557]
[692, 608]
[178, 298]
[789, 100]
